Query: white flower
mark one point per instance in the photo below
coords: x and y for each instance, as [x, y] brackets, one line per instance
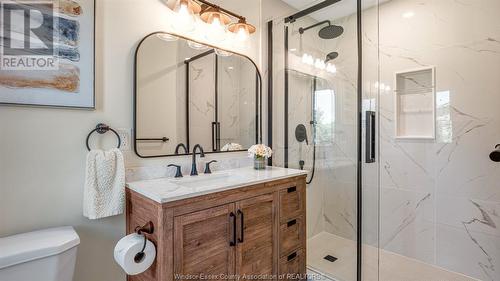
[259, 150]
[232, 147]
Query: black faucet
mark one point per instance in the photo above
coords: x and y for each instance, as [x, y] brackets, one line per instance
[179, 146]
[194, 171]
[207, 167]
[178, 173]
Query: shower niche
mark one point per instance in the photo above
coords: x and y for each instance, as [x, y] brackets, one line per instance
[415, 104]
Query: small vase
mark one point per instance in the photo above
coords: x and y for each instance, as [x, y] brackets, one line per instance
[259, 163]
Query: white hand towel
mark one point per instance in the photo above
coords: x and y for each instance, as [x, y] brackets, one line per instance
[104, 193]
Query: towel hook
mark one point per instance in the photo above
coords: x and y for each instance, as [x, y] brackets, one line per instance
[102, 128]
[147, 228]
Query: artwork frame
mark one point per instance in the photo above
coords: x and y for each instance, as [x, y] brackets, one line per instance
[89, 58]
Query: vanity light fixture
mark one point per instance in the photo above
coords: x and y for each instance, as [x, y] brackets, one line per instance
[242, 29]
[217, 17]
[185, 11]
[217, 21]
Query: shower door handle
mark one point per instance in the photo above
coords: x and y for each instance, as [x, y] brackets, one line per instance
[214, 136]
[370, 137]
[217, 130]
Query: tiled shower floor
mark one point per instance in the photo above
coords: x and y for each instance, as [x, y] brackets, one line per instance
[393, 267]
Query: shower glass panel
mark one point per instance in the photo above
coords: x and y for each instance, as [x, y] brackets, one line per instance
[439, 190]
[315, 78]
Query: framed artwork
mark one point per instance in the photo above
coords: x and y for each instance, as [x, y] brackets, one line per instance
[47, 53]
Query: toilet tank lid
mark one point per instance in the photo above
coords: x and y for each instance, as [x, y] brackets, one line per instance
[29, 246]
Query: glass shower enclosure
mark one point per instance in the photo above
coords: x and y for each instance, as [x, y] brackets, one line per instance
[392, 108]
[315, 86]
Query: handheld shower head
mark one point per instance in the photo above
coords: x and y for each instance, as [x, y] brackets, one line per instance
[331, 56]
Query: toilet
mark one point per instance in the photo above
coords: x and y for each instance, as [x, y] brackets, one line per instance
[44, 255]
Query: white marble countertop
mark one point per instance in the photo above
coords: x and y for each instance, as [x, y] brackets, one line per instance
[170, 189]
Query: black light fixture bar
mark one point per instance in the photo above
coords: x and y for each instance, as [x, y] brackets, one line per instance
[222, 9]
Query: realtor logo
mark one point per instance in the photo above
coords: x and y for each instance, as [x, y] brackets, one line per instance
[27, 35]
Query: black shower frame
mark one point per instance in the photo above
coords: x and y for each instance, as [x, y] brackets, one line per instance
[291, 19]
[258, 98]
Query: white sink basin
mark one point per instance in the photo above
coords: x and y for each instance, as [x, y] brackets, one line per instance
[164, 190]
[203, 179]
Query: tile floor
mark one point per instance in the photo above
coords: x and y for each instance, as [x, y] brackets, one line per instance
[393, 267]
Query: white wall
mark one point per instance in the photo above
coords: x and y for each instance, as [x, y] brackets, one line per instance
[42, 150]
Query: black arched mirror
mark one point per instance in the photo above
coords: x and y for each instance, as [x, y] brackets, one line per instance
[189, 93]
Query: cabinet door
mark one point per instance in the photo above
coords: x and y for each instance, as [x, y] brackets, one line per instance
[204, 243]
[256, 251]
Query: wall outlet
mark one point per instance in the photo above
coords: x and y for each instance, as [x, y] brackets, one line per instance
[126, 138]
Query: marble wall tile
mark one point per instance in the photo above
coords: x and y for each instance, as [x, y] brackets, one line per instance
[456, 227]
[468, 252]
[407, 223]
[469, 214]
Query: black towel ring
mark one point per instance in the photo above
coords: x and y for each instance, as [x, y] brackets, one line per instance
[101, 129]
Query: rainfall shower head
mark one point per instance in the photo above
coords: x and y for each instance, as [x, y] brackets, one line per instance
[331, 56]
[331, 31]
[328, 32]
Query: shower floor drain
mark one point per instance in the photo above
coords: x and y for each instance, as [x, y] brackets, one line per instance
[330, 258]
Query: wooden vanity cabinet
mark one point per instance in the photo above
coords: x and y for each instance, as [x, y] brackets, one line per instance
[249, 232]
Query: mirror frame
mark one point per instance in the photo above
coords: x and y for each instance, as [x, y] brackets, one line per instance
[258, 102]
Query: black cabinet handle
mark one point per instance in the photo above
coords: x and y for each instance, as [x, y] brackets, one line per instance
[291, 223]
[291, 189]
[291, 256]
[370, 137]
[242, 226]
[233, 239]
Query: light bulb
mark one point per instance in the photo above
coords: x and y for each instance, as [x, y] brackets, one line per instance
[319, 64]
[196, 45]
[307, 59]
[217, 30]
[242, 29]
[243, 33]
[184, 19]
[222, 53]
[304, 58]
[331, 68]
[167, 37]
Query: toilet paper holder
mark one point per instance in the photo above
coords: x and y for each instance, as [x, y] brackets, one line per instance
[149, 229]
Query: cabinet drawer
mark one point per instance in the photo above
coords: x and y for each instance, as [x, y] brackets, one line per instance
[293, 266]
[291, 235]
[291, 202]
